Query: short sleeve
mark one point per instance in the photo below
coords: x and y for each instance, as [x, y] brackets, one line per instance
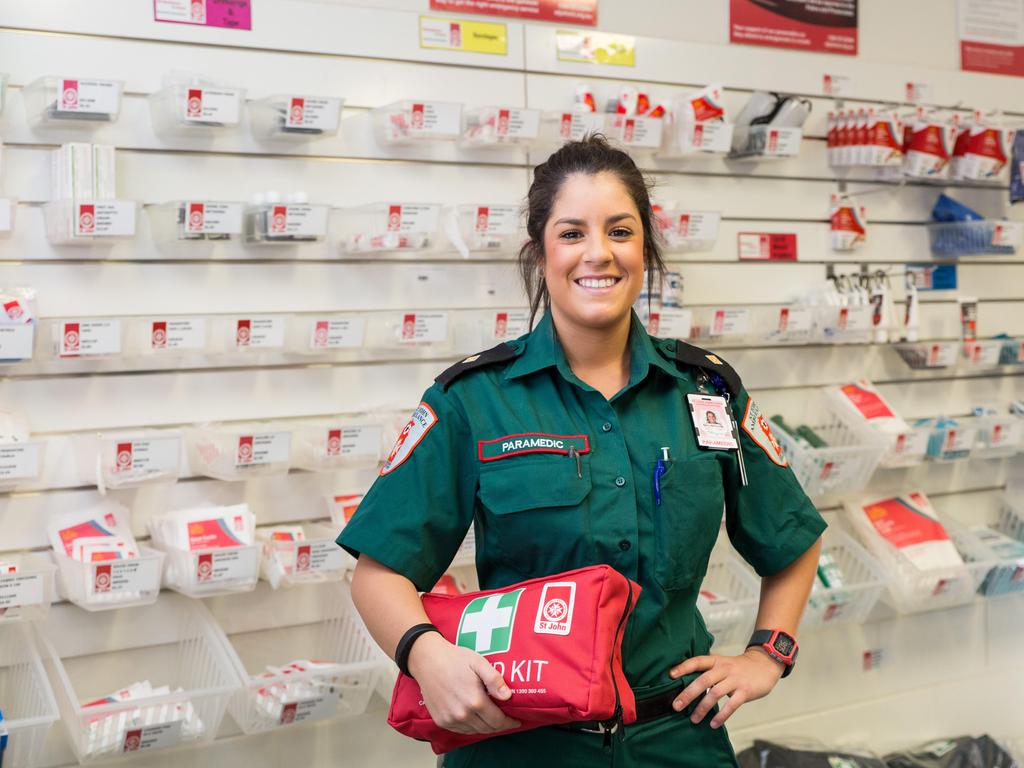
[770, 521]
[417, 512]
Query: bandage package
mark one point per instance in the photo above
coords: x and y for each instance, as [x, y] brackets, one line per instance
[207, 527]
[865, 137]
[982, 150]
[998, 546]
[313, 681]
[928, 145]
[109, 733]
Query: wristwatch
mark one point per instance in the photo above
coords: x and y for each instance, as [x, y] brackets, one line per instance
[779, 645]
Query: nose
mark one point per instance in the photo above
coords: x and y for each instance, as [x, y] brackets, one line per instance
[598, 250]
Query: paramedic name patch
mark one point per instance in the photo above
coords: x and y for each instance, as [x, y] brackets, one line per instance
[531, 442]
[421, 421]
[755, 424]
[486, 623]
[554, 614]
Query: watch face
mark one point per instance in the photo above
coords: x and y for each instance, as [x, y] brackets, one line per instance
[784, 645]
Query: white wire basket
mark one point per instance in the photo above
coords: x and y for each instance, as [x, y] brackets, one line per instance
[28, 704]
[864, 581]
[729, 597]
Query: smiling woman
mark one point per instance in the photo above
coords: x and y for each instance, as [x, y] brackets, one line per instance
[580, 444]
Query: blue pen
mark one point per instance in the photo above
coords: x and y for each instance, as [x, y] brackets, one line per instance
[660, 469]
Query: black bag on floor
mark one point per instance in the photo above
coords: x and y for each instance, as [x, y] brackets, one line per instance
[764, 754]
[962, 752]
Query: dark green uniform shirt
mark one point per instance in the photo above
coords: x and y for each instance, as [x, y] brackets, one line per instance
[555, 477]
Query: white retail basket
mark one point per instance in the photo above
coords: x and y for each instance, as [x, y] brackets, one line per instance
[72, 102]
[238, 451]
[109, 584]
[197, 108]
[998, 436]
[500, 127]
[314, 559]
[128, 459]
[484, 228]
[900, 450]
[295, 117]
[172, 643]
[349, 661]
[29, 708]
[390, 227]
[196, 222]
[863, 583]
[732, 590]
[26, 594]
[209, 572]
[413, 122]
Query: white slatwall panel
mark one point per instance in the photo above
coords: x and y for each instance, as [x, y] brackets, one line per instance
[369, 55]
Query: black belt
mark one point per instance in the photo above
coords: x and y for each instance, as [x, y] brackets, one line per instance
[650, 708]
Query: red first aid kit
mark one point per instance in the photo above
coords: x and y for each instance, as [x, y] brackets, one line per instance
[557, 642]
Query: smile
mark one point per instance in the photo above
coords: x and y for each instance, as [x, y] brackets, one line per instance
[597, 283]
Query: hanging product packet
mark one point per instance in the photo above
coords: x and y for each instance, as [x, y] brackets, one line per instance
[848, 224]
[97, 533]
[535, 634]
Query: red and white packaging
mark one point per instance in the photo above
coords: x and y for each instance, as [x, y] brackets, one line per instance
[848, 224]
[106, 521]
[930, 146]
[982, 150]
[583, 98]
[884, 146]
[909, 525]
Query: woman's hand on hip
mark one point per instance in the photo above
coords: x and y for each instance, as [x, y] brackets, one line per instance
[458, 686]
[747, 677]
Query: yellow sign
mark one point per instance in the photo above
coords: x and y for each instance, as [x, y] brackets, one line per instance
[466, 36]
[596, 48]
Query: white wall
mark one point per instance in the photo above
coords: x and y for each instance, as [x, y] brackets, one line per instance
[942, 673]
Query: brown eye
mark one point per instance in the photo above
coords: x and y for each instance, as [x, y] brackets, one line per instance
[621, 232]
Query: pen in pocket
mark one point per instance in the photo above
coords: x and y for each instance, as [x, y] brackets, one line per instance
[660, 468]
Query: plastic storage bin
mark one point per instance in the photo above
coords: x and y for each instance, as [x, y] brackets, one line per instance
[844, 325]
[250, 334]
[484, 228]
[728, 598]
[950, 440]
[169, 336]
[635, 133]
[29, 707]
[1003, 571]
[196, 221]
[313, 559]
[938, 354]
[27, 587]
[390, 227]
[128, 459]
[275, 223]
[108, 584]
[323, 334]
[967, 238]
[339, 443]
[53, 101]
[209, 572]
[411, 122]
[341, 685]
[688, 231]
[173, 643]
[788, 324]
[500, 127]
[558, 127]
[983, 354]
[998, 436]
[863, 582]
[89, 222]
[686, 139]
[769, 142]
[21, 464]
[193, 109]
[238, 451]
[294, 117]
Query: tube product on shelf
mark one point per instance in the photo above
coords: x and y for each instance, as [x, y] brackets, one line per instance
[968, 318]
[911, 313]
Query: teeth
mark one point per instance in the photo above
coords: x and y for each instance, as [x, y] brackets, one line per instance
[588, 282]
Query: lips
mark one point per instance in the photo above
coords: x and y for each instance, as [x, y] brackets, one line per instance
[597, 283]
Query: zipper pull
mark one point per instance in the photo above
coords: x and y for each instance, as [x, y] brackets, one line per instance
[575, 454]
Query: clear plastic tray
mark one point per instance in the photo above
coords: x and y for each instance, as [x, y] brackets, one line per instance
[295, 117]
[908, 449]
[21, 465]
[111, 584]
[558, 127]
[982, 354]
[174, 643]
[238, 451]
[968, 238]
[484, 228]
[209, 572]
[863, 583]
[411, 122]
[29, 706]
[89, 222]
[250, 334]
[191, 222]
[769, 142]
[952, 443]
[998, 436]
[788, 324]
[87, 337]
[689, 231]
[286, 223]
[928, 355]
[500, 127]
[685, 139]
[729, 596]
[8, 213]
[128, 459]
[323, 334]
[1012, 352]
[1002, 575]
[170, 336]
[53, 101]
[344, 442]
[196, 109]
[26, 594]
[383, 227]
[634, 133]
[414, 329]
[723, 324]
[341, 687]
[844, 325]
[315, 559]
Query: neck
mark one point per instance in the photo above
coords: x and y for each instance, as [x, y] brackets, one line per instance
[591, 350]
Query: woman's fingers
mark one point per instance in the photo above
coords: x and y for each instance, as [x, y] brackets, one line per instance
[736, 700]
[693, 691]
[717, 691]
[691, 665]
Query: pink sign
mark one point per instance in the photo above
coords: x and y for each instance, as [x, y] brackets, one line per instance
[229, 14]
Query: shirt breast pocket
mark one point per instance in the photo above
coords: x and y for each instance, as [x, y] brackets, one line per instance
[535, 514]
[687, 521]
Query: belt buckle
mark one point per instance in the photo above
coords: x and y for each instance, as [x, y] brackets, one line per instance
[602, 727]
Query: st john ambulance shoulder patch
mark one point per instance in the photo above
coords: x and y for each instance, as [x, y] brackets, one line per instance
[422, 421]
[755, 424]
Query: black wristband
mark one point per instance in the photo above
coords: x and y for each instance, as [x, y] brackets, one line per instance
[405, 645]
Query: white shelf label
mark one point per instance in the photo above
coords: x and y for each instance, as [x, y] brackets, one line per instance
[795, 319]
[941, 355]
[913, 443]
[509, 325]
[853, 319]
[696, 226]
[644, 132]
[982, 355]
[18, 590]
[837, 471]
[413, 218]
[111, 218]
[1007, 234]
[956, 440]
[146, 456]
[435, 117]
[309, 710]
[1007, 432]
[337, 333]
[424, 327]
[80, 338]
[92, 96]
[496, 220]
[711, 136]
[259, 332]
[6, 214]
[182, 333]
[133, 575]
[159, 736]
[226, 564]
[315, 113]
[319, 556]
[263, 448]
[575, 125]
[297, 220]
[671, 323]
[729, 322]
[204, 217]
[20, 461]
[354, 441]
[212, 105]
[782, 142]
[16, 341]
[515, 123]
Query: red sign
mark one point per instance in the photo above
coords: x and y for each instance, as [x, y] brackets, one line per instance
[766, 246]
[806, 25]
[992, 36]
[564, 11]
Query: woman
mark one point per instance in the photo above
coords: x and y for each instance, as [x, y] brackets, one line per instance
[603, 464]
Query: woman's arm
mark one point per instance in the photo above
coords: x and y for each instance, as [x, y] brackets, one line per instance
[457, 683]
[753, 674]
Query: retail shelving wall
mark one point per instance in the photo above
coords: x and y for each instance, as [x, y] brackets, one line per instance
[935, 674]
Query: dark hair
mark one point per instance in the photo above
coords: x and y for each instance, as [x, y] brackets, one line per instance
[590, 155]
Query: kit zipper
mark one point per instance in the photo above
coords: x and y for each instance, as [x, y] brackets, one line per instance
[614, 723]
[575, 454]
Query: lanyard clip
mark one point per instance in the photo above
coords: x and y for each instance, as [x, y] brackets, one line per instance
[575, 454]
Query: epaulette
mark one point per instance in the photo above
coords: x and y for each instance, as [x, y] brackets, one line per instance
[498, 354]
[688, 354]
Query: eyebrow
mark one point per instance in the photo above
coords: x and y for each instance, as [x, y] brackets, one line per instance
[610, 220]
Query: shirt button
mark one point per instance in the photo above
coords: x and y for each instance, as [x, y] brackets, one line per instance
[624, 545]
[620, 481]
[606, 427]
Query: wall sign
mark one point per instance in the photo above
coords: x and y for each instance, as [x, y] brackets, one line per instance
[461, 35]
[766, 246]
[992, 36]
[596, 48]
[565, 11]
[229, 14]
[806, 25]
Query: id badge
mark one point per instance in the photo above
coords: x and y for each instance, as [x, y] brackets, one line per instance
[712, 423]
